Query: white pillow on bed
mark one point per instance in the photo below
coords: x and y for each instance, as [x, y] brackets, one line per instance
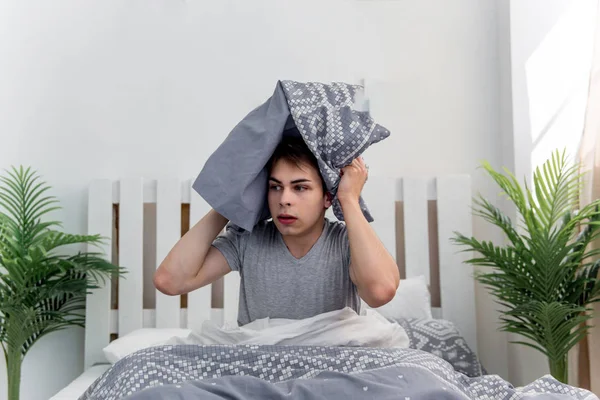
[140, 339]
[412, 300]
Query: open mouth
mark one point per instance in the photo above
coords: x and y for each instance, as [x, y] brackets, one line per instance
[286, 219]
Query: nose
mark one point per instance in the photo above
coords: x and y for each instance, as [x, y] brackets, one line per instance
[286, 198]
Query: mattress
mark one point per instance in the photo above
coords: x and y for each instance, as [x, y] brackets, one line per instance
[79, 385]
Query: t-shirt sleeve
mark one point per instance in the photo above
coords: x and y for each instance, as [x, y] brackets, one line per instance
[232, 244]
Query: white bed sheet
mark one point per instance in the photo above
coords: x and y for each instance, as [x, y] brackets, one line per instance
[334, 328]
[81, 383]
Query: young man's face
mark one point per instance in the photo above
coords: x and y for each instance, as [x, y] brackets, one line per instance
[296, 198]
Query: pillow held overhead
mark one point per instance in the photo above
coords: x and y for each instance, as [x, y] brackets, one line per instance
[233, 181]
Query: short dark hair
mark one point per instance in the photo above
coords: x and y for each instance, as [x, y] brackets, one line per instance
[293, 148]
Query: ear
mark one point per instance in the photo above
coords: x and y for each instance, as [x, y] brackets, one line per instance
[328, 199]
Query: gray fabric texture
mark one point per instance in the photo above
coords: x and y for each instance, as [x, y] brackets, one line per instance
[233, 181]
[441, 338]
[277, 285]
[304, 372]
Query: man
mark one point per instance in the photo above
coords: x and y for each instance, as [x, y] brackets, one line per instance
[299, 264]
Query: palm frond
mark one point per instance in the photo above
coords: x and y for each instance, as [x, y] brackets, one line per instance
[555, 327]
[51, 240]
[509, 184]
[557, 187]
[494, 215]
[20, 196]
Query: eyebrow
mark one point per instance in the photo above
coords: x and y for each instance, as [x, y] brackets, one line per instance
[303, 180]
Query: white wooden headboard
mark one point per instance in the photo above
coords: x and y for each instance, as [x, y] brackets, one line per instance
[452, 196]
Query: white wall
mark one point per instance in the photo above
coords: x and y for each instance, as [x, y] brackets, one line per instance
[551, 52]
[111, 89]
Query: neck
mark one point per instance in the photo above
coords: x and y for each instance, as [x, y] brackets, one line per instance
[299, 246]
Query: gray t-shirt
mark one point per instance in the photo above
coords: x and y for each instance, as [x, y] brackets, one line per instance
[275, 284]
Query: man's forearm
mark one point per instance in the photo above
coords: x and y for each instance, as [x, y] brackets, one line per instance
[187, 256]
[373, 269]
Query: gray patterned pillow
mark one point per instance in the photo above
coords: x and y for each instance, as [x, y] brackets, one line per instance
[441, 338]
[327, 120]
[333, 128]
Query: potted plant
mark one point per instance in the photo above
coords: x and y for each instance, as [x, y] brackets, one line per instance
[42, 289]
[545, 276]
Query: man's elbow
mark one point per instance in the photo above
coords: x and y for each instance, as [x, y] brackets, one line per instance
[163, 282]
[381, 295]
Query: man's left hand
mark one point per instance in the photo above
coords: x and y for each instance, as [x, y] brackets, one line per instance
[353, 180]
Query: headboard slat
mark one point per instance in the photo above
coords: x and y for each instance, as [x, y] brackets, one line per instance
[168, 232]
[131, 253]
[456, 278]
[199, 301]
[416, 233]
[97, 313]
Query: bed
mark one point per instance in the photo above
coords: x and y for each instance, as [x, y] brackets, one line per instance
[414, 218]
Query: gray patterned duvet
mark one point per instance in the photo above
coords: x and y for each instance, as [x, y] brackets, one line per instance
[441, 338]
[304, 372]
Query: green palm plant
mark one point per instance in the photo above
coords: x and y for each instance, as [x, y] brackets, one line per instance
[42, 289]
[546, 275]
